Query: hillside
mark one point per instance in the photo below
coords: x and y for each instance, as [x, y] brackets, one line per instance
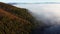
[13, 24]
[20, 12]
[15, 20]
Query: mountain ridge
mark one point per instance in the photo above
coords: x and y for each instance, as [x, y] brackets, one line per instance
[11, 23]
[17, 20]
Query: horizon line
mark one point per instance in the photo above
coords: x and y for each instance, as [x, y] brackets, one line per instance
[36, 3]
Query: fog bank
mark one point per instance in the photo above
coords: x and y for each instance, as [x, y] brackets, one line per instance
[48, 13]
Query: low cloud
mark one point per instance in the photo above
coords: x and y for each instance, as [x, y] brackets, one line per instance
[48, 13]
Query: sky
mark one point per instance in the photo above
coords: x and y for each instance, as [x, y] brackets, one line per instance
[29, 1]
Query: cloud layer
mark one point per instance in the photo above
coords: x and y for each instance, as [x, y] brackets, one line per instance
[48, 13]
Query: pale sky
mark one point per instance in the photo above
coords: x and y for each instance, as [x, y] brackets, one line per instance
[29, 1]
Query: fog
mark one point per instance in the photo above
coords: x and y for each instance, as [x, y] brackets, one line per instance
[48, 13]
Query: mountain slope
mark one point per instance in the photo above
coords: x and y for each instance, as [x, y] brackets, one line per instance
[14, 20]
[20, 12]
[13, 24]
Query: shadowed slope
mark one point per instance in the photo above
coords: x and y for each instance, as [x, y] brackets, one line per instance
[20, 12]
[13, 24]
[17, 20]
